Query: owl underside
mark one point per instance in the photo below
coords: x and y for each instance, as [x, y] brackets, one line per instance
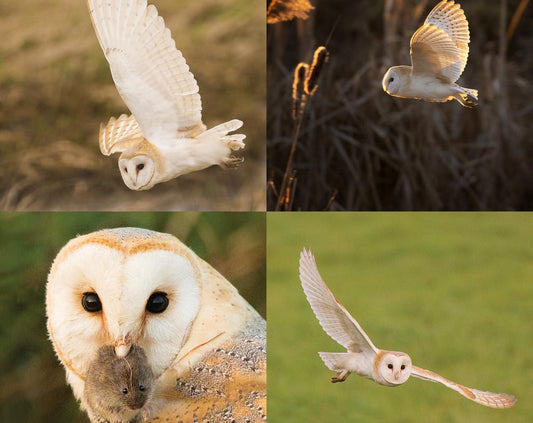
[228, 384]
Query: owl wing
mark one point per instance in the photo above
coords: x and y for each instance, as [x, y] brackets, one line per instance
[440, 46]
[488, 399]
[150, 74]
[119, 135]
[332, 316]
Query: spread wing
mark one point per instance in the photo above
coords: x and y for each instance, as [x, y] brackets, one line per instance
[150, 74]
[332, 316]
[440, 46]
[488, 399]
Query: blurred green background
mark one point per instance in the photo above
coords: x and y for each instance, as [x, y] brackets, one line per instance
[32, 382]
[56, 89]
[453, 290]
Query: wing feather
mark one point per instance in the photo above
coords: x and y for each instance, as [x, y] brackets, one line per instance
[332, 316]
[119, 135]
[488, 399]
[150, 74]
[440, 46]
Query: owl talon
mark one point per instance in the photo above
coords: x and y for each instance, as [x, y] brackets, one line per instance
[233, 162]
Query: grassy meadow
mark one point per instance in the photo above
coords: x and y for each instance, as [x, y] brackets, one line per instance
[32, 381]
[56, 89]
[453, 291]
[361, 149]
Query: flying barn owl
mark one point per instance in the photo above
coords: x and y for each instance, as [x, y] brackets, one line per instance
[129, 289]
[389, 368]
[439, 51]
[164, 137]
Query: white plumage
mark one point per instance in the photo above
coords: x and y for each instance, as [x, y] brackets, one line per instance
[204, 344]
[164, 137]
[439, 52]
[389, 368]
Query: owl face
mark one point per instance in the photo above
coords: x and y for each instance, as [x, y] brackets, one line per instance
[138, 172]
[394, 367]
[392, 81]
[121, 287]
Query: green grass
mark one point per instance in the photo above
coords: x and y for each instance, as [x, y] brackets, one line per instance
[454, 291]
[32, 381]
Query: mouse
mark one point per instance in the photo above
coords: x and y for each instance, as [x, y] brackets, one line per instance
[117, 388]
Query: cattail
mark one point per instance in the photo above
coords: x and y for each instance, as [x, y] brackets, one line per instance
[285, 10]
[298, 95]
[319, 58]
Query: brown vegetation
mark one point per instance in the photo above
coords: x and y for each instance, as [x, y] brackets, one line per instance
[56, 89]
[360, 149]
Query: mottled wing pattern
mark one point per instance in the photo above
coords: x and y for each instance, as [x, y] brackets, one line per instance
[149, 72]
[488, 399]
[440, 46]
[119, 135]
[332, 316]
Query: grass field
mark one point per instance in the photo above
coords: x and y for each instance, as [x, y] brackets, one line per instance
[56, 89]
[454, 291]
[32, 381]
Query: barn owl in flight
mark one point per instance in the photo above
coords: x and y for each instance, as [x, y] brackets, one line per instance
[131, 289]
[439, 51]
[389, 368]
[164, 137]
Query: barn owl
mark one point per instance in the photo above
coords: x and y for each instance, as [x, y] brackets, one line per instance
[164, 137]
[439, 51]
[128, 288]
[389, 368]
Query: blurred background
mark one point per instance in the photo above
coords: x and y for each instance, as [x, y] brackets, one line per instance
[56, 89]
[360, 149]
[32, 381]
[452, 290]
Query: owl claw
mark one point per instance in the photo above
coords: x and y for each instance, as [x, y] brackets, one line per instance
[341, 377]
[233, 162]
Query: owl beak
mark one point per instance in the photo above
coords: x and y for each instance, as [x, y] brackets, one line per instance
[122, 349]
[396, 375]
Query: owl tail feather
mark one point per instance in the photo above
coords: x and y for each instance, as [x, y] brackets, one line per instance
[333, 361]
[467, 97]
[234, 141]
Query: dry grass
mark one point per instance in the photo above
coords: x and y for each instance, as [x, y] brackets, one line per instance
[360, 149]
[55, 89]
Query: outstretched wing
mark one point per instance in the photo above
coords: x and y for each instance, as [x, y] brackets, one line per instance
[149, 72]
[440, 46]
[488, 399]
[332, 316]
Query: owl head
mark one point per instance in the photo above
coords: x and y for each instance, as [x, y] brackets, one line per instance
[394, 367]
[394, 79]
[140, 166]
[128, 286]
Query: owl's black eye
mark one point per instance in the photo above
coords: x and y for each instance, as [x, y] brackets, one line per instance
[402, 367]
[91, 302]
[157, 303]
[125, 391]
[141, 388]
[389, 366]
[126, 169]
[390, 80]
[140, 166]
